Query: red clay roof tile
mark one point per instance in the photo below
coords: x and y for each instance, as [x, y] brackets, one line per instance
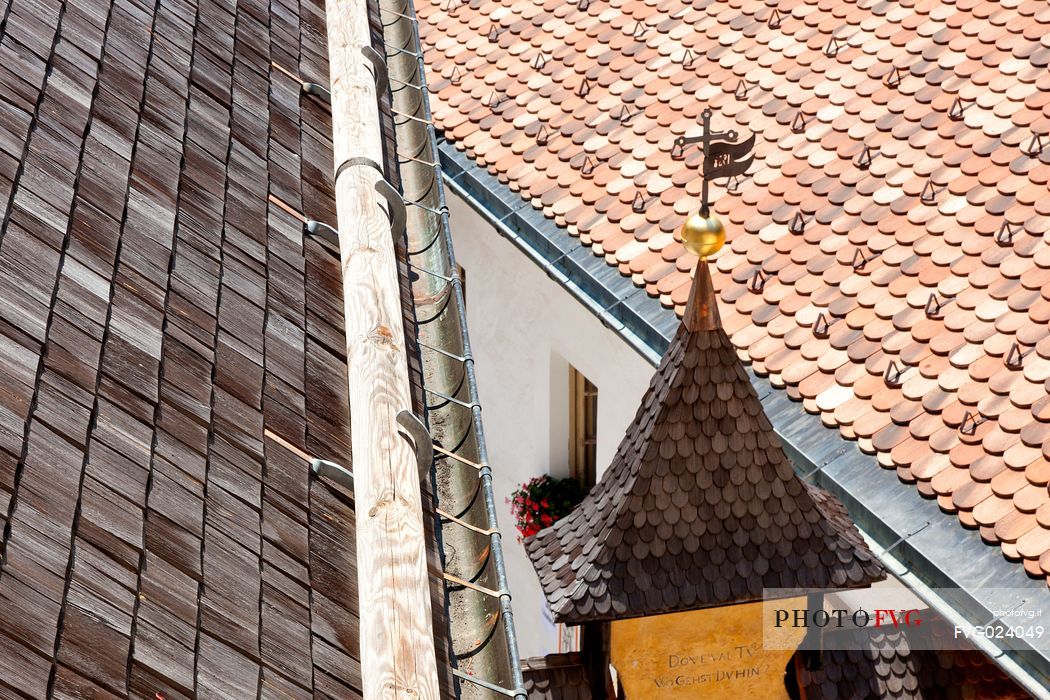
[901, 191]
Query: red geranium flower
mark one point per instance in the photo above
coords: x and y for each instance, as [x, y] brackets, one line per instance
[542, 501]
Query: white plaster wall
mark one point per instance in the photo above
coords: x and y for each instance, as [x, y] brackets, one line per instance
[525, 331]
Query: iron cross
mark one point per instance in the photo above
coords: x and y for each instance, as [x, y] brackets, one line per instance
[722, 157]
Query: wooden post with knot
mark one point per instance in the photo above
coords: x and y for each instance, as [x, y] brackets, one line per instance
[397, 641]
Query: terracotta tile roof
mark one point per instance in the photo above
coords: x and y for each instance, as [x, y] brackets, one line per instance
[556, 677]
[889, 668]
[159, 320]
[699, 507]
[887, 261]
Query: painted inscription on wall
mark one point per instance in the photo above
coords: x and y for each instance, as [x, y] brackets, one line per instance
[741, 662]
[716, 652]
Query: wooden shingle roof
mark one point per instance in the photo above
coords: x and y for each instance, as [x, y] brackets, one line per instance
[556, 677]
[700, 506]
[166, 333]
[882, 665]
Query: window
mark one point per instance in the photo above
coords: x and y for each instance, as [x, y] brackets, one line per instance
[583, 441]
[583, 429]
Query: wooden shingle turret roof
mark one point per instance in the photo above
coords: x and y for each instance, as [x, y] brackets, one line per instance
[700, 506]
[556, 677]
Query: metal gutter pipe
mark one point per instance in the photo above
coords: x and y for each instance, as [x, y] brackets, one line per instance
[484, 642]
[608, 319]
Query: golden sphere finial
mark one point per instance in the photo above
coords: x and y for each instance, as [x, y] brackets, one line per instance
[703, 235]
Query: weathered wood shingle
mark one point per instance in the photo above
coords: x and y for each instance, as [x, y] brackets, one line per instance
[165, 332]
[556, 677]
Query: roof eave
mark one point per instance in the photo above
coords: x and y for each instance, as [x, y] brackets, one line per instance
[612, 616]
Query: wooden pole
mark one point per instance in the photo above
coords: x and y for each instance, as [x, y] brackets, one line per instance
[397, 643]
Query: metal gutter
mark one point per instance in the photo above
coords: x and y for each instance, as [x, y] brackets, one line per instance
[608, 319]
[629, 311]
[485, 655]
[886, 511]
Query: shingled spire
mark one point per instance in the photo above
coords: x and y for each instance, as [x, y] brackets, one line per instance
[701, 311]
[700, 506]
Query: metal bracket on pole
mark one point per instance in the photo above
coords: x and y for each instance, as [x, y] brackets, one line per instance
[325, 233]
[333, 472]
[419, 436]
[458, 673]
[398, 213]
[318, 91]
[379, 71]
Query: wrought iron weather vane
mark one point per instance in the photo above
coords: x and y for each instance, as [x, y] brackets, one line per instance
[703, 234]
[723, 156]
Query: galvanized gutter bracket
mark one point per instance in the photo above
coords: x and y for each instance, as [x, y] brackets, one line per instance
[419, 436]
[322, 232]
[357, 160]
[336, 473]
[318, 91]
[486, 685]
[396, 205]
[379, 70]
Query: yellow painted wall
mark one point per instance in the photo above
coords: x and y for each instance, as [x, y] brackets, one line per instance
[716, 653]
